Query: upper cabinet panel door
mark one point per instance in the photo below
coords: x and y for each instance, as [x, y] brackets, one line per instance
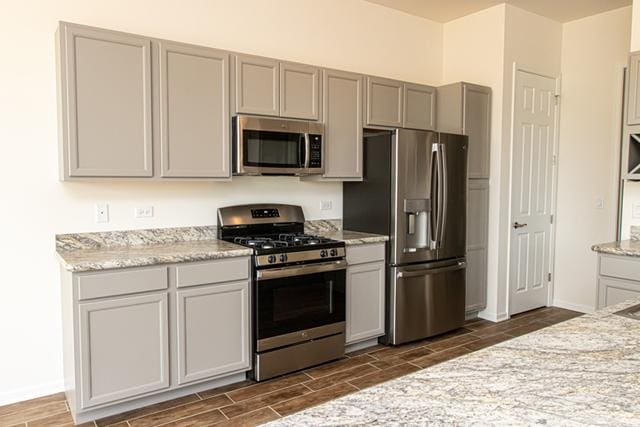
[299, 91]
[384, 102]
[342, 124]
[476, 124]
[633, 96]
[257, 85]
[194, 111]
[419, 107]
[105, 88]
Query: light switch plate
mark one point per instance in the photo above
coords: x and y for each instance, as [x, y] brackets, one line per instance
[326, 205]
[143, 212]
[102, 212]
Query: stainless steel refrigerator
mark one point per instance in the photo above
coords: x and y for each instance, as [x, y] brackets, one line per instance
[414, 190]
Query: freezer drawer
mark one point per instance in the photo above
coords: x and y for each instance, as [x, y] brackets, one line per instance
[425, 300]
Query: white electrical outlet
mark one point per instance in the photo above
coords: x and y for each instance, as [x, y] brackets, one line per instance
[326, 205]
[636, 210]
[102, 212]
[143, 212]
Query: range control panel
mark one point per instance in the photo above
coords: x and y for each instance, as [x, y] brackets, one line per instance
[265, 213]
[315, 155]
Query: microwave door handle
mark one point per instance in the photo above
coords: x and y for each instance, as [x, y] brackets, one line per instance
[307, 150]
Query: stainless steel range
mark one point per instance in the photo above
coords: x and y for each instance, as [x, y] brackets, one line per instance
[298, 289]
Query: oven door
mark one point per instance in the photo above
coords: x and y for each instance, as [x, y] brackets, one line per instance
[299, 303]
[270, 146]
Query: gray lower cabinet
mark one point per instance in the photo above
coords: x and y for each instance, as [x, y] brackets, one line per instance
[105, 112]
[618, 279]
[419, 110]
[132, 335]
[384, 102]
[300, 91]
[194, 111]
[365, 310]
[633, 91]
[256, 85]
[465, 108]
[477, 245]
[124, 347]
[342, 125]
[213, 326]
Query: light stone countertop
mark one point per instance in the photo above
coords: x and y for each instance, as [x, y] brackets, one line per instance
[585, 371]
[351, 238]
[622, 247]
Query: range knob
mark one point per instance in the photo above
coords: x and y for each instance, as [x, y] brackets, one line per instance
[283, 258]
[271, 259]
[323, 253]
[333, 252]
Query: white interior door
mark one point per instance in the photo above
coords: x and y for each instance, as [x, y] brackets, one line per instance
[534, 127]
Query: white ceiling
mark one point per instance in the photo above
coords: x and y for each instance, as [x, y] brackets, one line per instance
[558, 10]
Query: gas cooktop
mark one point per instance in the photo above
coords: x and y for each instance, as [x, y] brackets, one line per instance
[288, 240]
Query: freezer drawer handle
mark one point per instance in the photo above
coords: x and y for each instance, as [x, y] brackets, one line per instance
[459, 266]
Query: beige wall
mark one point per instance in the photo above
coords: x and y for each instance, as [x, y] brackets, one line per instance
[594, 54]
[347, 34]
[635, 27]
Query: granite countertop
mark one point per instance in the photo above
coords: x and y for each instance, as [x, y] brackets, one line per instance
[351, 238]
[136, 248]
[620, 247]
[585, 371]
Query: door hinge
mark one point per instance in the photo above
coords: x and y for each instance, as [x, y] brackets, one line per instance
[549, 277]
[551, 219]
[557, 98]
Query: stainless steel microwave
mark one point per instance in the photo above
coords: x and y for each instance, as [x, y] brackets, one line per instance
[271, 146]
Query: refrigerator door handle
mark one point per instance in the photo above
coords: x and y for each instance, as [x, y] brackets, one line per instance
[459, 266]
[435, 209]
[442, 203]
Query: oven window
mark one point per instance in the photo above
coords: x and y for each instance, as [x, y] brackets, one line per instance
[272, 149]
[296, 303]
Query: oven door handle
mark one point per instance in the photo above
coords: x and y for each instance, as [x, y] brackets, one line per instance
[300, 270]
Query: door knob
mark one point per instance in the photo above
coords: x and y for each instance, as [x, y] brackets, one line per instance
[518, 225]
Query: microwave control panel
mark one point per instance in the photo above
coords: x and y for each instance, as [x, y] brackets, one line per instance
[315, 156]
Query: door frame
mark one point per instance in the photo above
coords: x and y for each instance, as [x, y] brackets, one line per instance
[554, 182]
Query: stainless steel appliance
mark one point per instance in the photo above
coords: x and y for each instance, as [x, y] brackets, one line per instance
[298, 288]
[270, 146]
[414, 190]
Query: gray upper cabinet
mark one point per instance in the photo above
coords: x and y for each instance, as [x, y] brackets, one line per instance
[124, 347]
[342, 124]
[213, 326]
[384, 103]
[104, 84]
[257, 85]
[477, 244]
[633, 94]
[194, 111]
[299, 91]
[466, 109]
[419, 107]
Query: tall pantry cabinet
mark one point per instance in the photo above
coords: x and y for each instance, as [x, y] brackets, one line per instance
[466, 109]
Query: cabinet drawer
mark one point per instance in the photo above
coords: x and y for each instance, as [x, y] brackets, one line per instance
[121, 282]
[365, 253]
[615, 291]
[621, 267]
[212, 272]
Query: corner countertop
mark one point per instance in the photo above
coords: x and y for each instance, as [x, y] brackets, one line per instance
[137, 248]
[583, 371]
[620, 247]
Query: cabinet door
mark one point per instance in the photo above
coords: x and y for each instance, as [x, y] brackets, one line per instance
[476, 123]
[419, 107]
[365, 301]
[342, 124]
[299, 91]
[213, 331]
[194, 111]
[105, 90]
[477, 224]
[257, 85]
[633, 95]
[124, 348]
[384, 102]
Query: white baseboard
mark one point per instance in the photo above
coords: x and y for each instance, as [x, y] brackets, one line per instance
[493, 317]
[575, 307]
[30, 392]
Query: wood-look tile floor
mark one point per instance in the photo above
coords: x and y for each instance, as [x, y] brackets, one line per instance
[249, 403]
